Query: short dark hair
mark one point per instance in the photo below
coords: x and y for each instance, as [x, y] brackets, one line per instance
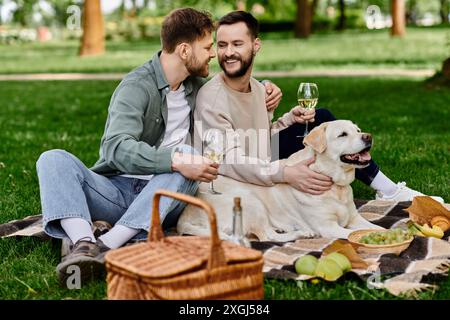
[241, 16]
[184, 25]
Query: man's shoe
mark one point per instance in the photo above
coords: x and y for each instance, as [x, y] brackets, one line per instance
[86, 260]
[403, 193]
[99, 228]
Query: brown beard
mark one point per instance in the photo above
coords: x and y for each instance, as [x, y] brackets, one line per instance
[196, 69]
[245, 65]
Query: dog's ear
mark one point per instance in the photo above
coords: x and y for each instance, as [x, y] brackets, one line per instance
[316, 138]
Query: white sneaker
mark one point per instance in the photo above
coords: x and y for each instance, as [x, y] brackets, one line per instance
[403, 193]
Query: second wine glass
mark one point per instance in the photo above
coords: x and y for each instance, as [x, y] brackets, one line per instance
[213, 150]
[307, 97]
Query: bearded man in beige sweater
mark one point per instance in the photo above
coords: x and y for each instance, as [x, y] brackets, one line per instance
[234, 103]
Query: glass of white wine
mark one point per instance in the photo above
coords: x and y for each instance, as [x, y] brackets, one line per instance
[213, 150]
[307, 97]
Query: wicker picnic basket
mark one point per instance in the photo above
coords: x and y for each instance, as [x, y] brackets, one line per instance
[184, 267]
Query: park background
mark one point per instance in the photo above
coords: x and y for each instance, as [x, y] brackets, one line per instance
[382, 63]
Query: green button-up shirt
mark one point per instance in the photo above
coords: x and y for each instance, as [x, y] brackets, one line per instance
[136, 123]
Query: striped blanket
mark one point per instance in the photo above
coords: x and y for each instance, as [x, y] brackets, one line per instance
[419, 267]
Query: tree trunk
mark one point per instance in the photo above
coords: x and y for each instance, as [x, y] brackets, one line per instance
[132, 12]
[1, 5]
[411, 12]
[93, 40]
[398, 18]
[122, 8]
[342, 16]
[446, 68]
[303, 19]
[314, 8]
[443, 11]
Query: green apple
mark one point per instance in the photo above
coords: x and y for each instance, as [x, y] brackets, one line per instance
[306, 265]
[328, 270]
[341, 260]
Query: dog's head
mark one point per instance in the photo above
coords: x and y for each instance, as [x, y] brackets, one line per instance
[341, 141]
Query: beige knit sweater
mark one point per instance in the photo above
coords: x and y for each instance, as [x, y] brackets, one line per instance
[246, 126]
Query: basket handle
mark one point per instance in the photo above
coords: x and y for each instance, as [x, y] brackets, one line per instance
[217, 255]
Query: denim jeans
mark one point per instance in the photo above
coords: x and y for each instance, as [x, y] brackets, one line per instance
[68, 189]
[288, 142]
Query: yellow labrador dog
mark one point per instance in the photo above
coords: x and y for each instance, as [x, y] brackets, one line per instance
[282, 213]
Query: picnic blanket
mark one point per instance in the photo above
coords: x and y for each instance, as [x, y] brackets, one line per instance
[30, 226]
[426, 261]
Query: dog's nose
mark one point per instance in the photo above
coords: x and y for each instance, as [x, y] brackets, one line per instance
[366, 137]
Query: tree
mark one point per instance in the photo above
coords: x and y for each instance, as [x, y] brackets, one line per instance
[398, 18]
[93, 40]
[342, 16]
[134, 9]
[411, 12]
[23, 13]
[444, 11]
[446, 68]
[303, 21]
[60, 10]
[314, 5]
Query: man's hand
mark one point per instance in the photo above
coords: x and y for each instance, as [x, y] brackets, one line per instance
[273, 96]
[301, 115]
[304, 179]
[195, 167]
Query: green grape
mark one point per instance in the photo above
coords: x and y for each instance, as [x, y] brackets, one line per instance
[391, 236]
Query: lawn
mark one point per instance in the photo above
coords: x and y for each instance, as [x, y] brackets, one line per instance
[422, 48]
[408, 120]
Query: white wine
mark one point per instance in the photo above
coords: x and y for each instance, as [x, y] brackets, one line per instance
[307, 103]
[214, 156]
[307, 96]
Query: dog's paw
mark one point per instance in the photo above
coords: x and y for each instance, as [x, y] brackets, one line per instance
[307, 235]
[311, 235]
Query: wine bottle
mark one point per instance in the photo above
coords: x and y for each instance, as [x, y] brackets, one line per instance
[238, 235]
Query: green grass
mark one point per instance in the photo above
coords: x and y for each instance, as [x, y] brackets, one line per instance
[421, 48]
[409, 123]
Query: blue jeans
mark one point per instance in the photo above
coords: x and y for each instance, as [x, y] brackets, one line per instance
[68, 189]
[289, 143]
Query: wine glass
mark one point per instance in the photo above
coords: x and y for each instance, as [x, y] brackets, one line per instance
[213, 150]
[307, 96]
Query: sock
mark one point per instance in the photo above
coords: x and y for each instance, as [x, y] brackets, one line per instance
[77, 228]
[383, 184]
[118, 236]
